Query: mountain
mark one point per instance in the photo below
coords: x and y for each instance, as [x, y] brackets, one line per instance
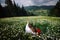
[38, 7]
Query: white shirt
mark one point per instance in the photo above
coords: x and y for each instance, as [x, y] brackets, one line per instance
[28, 30]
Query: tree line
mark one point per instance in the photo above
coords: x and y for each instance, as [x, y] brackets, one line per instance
[12, 10]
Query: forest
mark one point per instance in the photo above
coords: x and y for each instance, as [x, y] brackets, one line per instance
[12, 10]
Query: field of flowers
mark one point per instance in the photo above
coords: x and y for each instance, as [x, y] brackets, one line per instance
[14, 28]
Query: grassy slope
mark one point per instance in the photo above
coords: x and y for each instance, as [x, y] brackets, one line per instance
[51, 20]
[29, 18]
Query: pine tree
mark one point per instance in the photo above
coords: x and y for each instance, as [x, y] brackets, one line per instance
[17, 10]
[9, 2]
[1, 11]
[9, 8]
[0, 8]
[24, 11]
[56, 10]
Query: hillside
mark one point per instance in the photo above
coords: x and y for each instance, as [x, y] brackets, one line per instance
[38, 7]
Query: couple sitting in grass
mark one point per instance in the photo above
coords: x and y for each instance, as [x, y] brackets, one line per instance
[33, 30]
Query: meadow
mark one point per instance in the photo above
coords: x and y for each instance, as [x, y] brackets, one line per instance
[14, 27]
[41, 12]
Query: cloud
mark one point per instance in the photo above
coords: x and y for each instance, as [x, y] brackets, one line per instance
[33, 2]
[2, 1]
[39, 1]
[36, 2]
[45, 2]
[50, 3]
[24, 2]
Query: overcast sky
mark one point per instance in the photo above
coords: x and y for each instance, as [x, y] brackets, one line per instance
[34, 2]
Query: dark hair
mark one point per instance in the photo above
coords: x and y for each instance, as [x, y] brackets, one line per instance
[30, 23]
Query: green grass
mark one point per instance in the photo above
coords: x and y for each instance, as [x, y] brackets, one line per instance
[29, 18]
[11, 27]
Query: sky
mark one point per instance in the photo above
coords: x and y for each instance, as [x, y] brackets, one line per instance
[36, 2]
[33, 2]
[2, 3]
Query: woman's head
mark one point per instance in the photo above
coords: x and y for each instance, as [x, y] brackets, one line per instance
[30, 24]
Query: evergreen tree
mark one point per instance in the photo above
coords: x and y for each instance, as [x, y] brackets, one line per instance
[9, 3]
[1, 11]
[24, 12]
[0, 8]
[17, 10]
[9, 8]
[56, 10]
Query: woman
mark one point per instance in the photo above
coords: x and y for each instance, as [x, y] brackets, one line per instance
[29, 28]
